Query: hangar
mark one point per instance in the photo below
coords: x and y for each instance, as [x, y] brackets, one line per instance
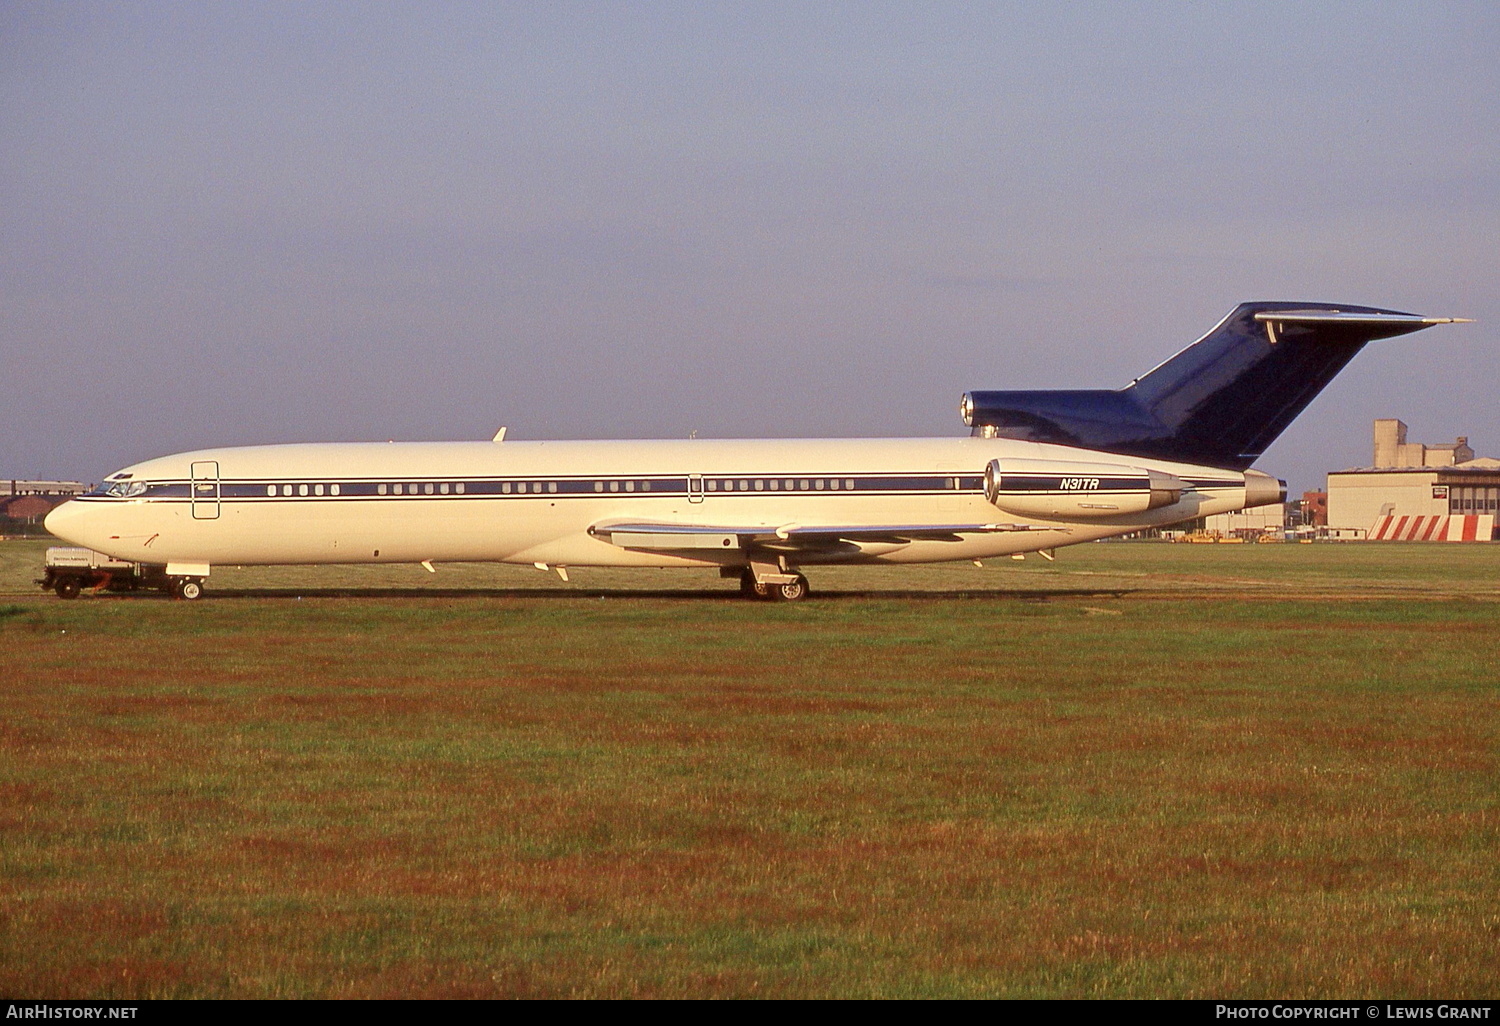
[1416, 492]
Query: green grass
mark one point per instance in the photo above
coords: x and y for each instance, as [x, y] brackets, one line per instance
[1143, 770]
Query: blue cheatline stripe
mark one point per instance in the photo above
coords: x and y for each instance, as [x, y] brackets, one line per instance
[761, 485]
[281, 489]
[710, 484]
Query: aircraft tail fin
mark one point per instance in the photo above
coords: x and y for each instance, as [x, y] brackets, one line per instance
[1221, 401]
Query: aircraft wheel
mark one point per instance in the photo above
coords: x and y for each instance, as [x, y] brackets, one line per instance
[189, 590]
[751, 588]
[67, 587]
[794, 592]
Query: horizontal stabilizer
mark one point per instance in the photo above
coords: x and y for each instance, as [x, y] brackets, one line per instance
[1412, 321]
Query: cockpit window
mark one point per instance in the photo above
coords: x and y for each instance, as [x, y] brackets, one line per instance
[121, 489]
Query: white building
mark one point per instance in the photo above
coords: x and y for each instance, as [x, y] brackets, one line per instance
[1248, 523]
[11, 486]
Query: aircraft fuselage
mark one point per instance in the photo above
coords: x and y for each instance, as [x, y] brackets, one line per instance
[552, 502]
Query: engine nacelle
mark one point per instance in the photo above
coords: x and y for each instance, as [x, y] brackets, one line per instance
[1074, 491]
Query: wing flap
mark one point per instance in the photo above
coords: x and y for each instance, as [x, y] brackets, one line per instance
[637, 538]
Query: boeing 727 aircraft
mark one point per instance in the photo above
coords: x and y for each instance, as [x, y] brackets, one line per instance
[1041, 469]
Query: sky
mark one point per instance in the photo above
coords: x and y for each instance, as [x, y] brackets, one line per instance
[235, 224]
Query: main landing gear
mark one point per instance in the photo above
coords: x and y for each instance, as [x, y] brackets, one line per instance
[792, 589]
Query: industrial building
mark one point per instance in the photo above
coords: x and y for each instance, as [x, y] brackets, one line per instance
[28, 502]
[1415, 492]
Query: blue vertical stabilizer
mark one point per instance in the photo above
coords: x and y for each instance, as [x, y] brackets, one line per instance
[1220, 402]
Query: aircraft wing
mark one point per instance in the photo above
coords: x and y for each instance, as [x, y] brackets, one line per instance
[678, 537]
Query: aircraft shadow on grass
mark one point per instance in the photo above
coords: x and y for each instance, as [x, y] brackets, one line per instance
[627, 594]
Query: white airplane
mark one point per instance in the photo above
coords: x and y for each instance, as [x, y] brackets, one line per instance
[1041, 469]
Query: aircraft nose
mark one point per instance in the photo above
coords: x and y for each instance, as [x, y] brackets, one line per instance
[66, 521]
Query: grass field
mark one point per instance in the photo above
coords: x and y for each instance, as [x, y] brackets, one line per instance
[1143, 770]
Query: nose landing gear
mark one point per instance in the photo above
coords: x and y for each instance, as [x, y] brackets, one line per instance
[187, 588]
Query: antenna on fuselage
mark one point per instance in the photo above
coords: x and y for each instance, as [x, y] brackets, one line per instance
[499, 436]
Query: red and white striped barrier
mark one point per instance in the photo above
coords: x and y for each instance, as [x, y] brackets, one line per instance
[1434, 528]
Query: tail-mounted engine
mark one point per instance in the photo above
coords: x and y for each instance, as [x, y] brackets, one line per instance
[1071, 491]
